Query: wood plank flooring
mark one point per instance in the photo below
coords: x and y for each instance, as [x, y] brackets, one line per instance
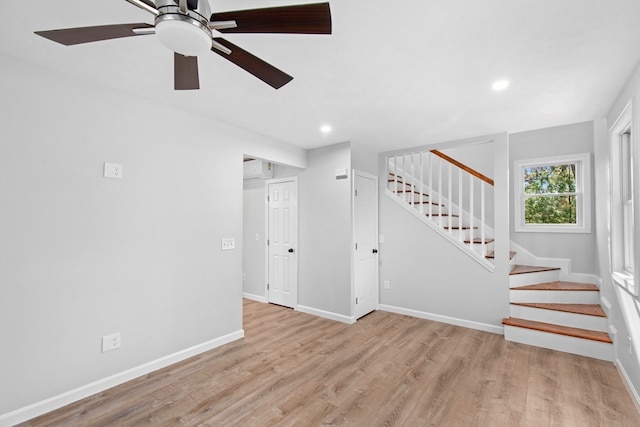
[294, 369]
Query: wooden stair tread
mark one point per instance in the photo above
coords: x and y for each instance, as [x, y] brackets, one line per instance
[478, 240]
[586, 309]
[458, 227]
[558, 329]
[443, 214]
[492, 255]
[522, 269]
[558, 286]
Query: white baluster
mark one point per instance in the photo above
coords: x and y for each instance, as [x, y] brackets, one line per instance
[412, 195]
[460, 191]
[440, 189]
[471, 207]
[430, 184]
[395, 175]
[449, 185]
[482, 207]
[422, 183]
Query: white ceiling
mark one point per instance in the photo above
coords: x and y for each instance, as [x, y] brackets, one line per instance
[394, 73]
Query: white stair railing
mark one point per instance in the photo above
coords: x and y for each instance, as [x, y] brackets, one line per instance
[428, 182]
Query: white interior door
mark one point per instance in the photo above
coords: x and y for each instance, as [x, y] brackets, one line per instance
[365, 230]
[282, 238]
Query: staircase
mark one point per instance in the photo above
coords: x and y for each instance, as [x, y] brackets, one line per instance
[547, 312]
[447, 196]
[544, 311]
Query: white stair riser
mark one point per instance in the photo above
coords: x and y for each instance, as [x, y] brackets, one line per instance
[582, 347]
[444, 220]
[406, 194]
[561, 297]
[533, 278]
[458, 233]
[398, 186]
[485, 249]
[512, 261]
[573, 320]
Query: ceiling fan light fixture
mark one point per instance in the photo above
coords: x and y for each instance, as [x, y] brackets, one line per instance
[183, 34]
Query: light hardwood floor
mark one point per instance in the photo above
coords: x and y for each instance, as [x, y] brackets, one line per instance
[294, 369]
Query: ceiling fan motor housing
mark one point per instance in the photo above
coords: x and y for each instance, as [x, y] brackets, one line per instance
[185, 33]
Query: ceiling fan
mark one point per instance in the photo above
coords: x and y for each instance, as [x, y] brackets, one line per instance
[188, 28]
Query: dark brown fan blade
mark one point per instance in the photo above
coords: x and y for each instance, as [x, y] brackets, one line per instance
[299, 19]
[254, 65]
[185, 72]
[71, 36]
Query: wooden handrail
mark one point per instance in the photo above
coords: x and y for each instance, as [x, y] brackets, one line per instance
[463, 167]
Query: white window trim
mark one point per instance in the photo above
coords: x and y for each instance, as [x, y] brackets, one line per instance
[583, 202]
[621, 276]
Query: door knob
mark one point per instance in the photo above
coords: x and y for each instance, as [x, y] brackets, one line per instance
[291, 250]
[375, 251]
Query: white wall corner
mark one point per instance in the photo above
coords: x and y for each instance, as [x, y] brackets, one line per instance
[327, 314]
[254, 297]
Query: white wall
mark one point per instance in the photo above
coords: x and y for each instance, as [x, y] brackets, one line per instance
[325, 232]
[253, 230]
[549, 142]
[363, 158]
[625, 312]
[478, 157]
[82, 256]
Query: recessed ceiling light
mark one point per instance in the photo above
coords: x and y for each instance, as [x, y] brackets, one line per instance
[325, 129]
[500, 85]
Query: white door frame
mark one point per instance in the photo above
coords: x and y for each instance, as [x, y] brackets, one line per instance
[355, 172]
[293, 179]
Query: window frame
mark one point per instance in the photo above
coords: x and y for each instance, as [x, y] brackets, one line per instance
[582, 194]
[621, 240]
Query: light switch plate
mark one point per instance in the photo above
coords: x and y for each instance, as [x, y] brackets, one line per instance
[228, 244]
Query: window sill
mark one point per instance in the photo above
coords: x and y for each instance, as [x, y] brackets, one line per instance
[548, 228]
[625, 281]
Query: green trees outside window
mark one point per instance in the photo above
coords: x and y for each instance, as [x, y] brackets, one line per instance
[550, 194]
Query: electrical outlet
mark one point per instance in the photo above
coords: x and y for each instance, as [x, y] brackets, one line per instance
[110, 342]
[112, 170]
[386, 284]
[630, 346]
[228, 244]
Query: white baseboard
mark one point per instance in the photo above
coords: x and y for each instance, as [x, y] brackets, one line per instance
[55, 402]
[584, 278]
[254, 297]
[635, 395]
[444, 319]
[327, 314]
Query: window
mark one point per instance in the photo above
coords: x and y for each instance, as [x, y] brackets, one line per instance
[626, 171]
[554, 194]
[622, 206]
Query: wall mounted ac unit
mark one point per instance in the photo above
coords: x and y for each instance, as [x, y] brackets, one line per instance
[258, 169]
